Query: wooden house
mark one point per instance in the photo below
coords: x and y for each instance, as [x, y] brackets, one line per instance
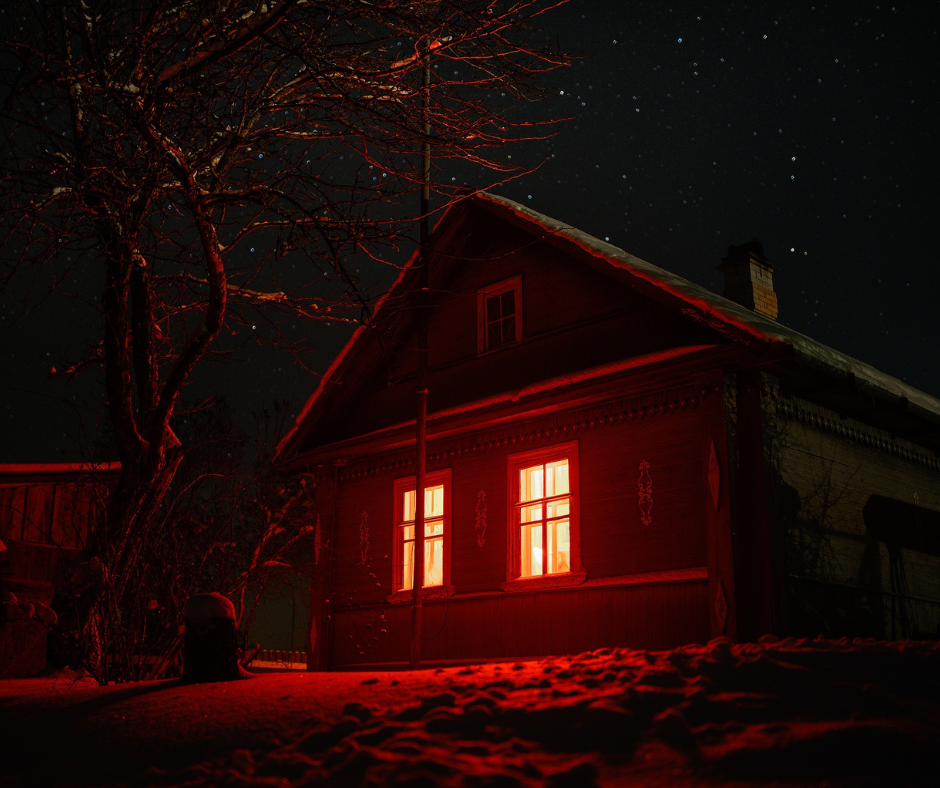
[616, 457]
[46, 511]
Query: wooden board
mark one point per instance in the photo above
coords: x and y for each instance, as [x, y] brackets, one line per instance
[656, 616]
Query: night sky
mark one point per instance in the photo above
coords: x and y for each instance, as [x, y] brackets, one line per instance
[813, 129]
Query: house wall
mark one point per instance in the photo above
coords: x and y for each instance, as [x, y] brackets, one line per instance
[522, 625]
[597, 321]
[847, 574]
[647, 585]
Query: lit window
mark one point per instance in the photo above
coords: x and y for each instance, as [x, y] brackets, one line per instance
[544, 512]
[499, 314]
[436, 530]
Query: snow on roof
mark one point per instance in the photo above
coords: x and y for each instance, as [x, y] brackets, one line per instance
[52, 469]
[699, 303]
[806, 349]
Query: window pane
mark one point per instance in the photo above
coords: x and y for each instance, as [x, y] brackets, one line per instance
[531, 552]
[556, 477]
[434, 562]
[408, 571]
[558, 508]
[531, 514]
[530, 483]
[434, 501]
[434, 537]
[559, 546]
[494, 309]
[493, 338]
[509, 330]
[508, 303]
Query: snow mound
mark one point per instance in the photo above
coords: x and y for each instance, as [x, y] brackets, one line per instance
[846, 712]
[201, 608]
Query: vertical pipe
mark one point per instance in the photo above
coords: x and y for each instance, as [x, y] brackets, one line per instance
[545, 520]
[417, 583]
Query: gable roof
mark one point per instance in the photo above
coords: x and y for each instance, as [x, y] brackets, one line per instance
[736, 322]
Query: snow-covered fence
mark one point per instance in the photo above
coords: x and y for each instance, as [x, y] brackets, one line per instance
[280, 659]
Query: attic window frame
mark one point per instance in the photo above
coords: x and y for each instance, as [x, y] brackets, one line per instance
[514, 284]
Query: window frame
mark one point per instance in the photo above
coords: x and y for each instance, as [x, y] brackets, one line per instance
[400, 487]
[516, 462]
[514, 284]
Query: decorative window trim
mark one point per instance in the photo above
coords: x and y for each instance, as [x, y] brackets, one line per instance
[364, 538]
[401, 486]
[557, 451]
[559, 580]
[480, 524]
[514, 284]
[644, 488]
[429, 594]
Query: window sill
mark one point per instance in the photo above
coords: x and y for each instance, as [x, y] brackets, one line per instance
[544, 581]
[430, 594]
[490, 350]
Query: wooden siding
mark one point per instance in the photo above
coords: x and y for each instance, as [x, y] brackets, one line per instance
[519, 625]
[47, 514]
[574, 318]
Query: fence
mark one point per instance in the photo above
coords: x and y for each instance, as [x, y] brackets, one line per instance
[275, 658]
[834, 610]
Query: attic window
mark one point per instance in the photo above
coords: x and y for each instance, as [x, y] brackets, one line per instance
[499, 314]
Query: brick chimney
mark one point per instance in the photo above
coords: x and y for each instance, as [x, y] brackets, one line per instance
[749, 278]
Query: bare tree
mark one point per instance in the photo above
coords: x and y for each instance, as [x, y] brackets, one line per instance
[218, 165]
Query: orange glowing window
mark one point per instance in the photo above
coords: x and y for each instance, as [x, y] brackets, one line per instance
[436, 530]
[544, 512]
[499, 314]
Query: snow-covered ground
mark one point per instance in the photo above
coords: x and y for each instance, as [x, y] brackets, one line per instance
[792, 712]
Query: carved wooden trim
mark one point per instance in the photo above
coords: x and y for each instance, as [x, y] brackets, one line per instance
[553, 429]
[824, 419]
[480, 524]
[364, 537]
[721, 607]
[644, 491]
